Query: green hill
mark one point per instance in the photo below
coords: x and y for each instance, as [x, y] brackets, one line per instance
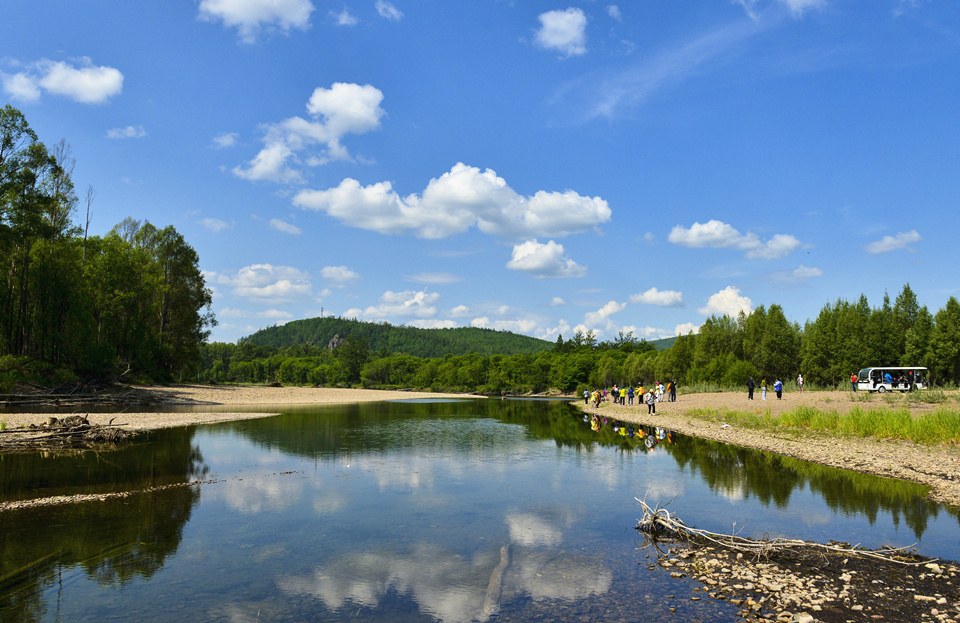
[394, 339]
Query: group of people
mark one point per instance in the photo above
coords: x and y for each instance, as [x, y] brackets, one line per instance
[777, 387]
[626, 395]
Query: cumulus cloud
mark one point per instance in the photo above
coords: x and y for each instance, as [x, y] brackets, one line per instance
[614, 12]
[227, 139]
[892, 243]
[407, 304]
[727, 302]
[432, 323]
[516, 325]
[130, 131]
[557, 302]
[341, 276]
[84, 83]
[720, 235]
[344, 18]
[215, 224]
[563, 31]
[798, 274]
[603, 314]
[387, 11]
[685, 328]
[250, 17]
[544, 260]
[457, 200]
[653, 296]
[284, 226]
[460, 311]
[268, 283]
[342, 109]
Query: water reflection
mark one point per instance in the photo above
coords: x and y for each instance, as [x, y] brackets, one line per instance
[457, 510]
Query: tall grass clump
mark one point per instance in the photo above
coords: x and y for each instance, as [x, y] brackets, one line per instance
[939, 426]
[810, 418]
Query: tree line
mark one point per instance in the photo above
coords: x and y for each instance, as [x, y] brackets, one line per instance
[131, 302]
[726, 351]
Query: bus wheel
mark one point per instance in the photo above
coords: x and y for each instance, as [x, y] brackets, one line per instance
[881, 389]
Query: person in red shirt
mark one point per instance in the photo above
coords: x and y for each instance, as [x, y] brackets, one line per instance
[853, 381]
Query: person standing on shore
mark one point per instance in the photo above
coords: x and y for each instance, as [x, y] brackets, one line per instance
[673, 391]
[750, 387]
[651, 401]
[763, 388]
[800, 382]
[778, 387]
[853, 381]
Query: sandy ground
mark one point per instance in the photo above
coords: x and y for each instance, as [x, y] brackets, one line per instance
[200, 395]
[935, 466]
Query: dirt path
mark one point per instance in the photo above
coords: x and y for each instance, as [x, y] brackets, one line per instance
[935, 466]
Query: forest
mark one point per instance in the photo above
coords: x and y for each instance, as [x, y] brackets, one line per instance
[130, 305]
[725, 352]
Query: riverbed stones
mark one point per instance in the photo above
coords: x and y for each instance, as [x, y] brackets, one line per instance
[819, 588]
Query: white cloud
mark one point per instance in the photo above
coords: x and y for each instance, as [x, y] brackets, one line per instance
[433, 278]
[564, 31]
[268, 283]
[544, 260]
[407, 304]
[341, 276]
[603, 314]
[388, 11]
[798, 7]
[344, 18]
[460, 311]
[798, 274]
[227, 139]
[342, 109]
[249, 17]
[653, 296]
[685, 328]
[557, 302]
[720, 235]
[614, 12]
[215, 224]
[518, 325]
[892, 243]
[285, 227]
[87, 84]
[451, 204]
[727, 302]
[129, 131]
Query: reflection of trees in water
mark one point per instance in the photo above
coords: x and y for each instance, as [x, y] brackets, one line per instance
[160, 458]
[111, 541]
[737, 472]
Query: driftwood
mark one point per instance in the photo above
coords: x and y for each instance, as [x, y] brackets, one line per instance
[70, 431]
[75, 394]
[660, 524]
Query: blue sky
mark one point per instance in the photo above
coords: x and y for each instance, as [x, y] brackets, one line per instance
[532, 166]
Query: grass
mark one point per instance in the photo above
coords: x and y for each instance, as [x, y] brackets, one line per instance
[940, 426]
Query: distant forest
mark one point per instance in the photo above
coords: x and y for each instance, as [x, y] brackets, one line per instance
[725, 352]
[390, 338]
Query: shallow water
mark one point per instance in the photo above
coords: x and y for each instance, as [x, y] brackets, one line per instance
[448, 511]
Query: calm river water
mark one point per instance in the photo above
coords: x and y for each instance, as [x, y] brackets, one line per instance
[449, 511]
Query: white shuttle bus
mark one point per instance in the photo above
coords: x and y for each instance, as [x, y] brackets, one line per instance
[900, 379]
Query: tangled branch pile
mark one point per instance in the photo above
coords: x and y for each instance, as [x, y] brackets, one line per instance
[70, 431]
[659, 524]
